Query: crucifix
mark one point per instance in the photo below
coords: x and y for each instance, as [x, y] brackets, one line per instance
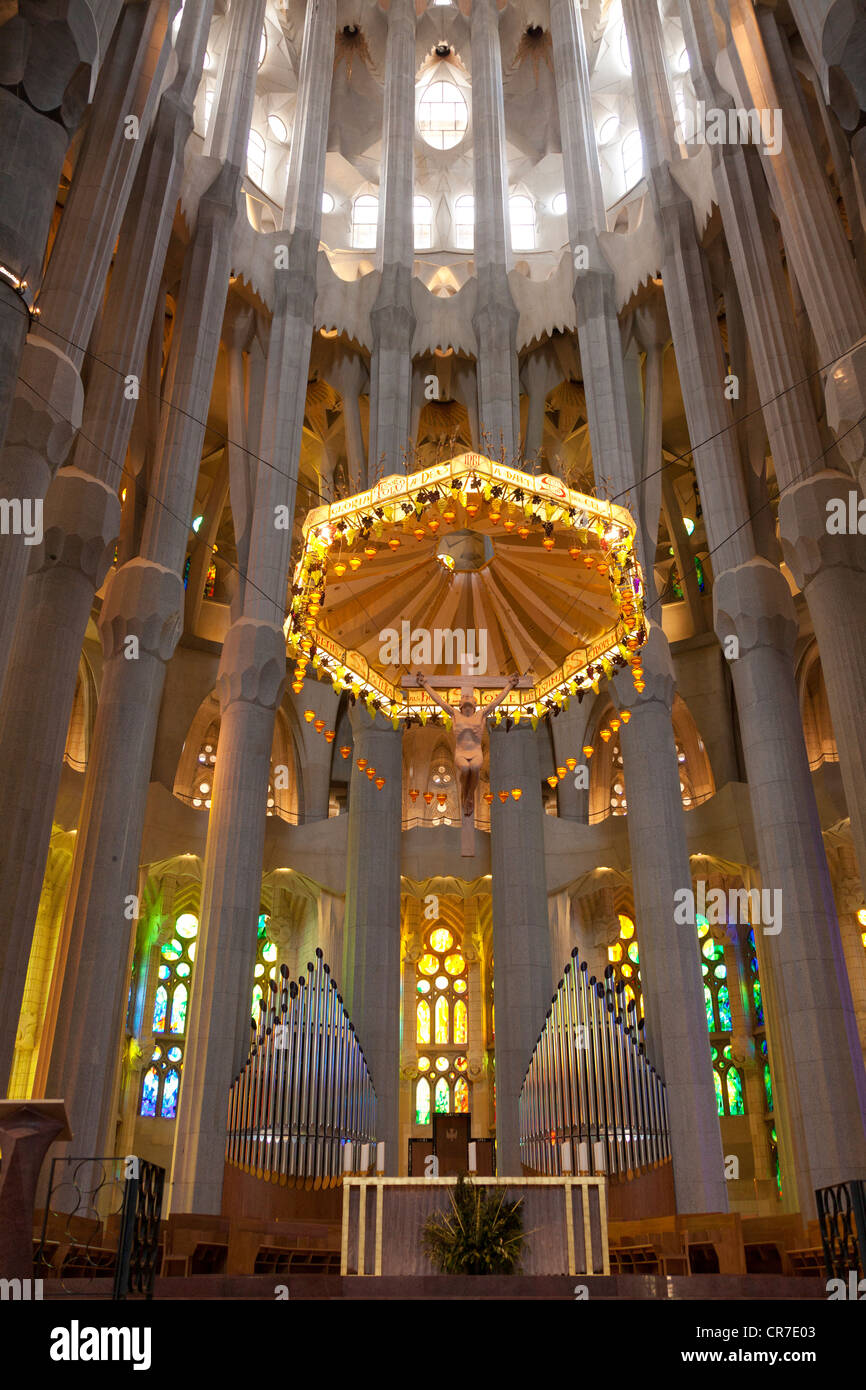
[468, 724]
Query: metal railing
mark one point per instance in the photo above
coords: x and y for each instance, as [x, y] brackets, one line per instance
[303, 1105]
[842, 1219]
[591, 1101]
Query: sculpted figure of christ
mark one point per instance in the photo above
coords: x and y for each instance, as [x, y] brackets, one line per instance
[468, 723]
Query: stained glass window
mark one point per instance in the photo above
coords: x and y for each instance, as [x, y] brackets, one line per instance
[624, 956]
[461, 1022]
[170, 1088]
[461, 1096]
[160, 1085]
[442, 1020]
[442, 1017]
[422, 1102]
[735, 1092]
[149, 1092]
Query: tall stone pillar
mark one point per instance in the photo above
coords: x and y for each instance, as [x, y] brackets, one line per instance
[753, 606]
[392, 316]
[521, 928]
[72, 290]
[49, 61]
[145, 601]
[253, 662]
[830, 568]
[697, 1156]
[676, 1020]
[371, 934]
[495, 320]
[81, 514]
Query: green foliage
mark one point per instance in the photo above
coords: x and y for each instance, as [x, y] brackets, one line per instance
[481, 1234]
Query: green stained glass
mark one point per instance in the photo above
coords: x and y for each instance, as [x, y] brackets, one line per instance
[172, 950]
[735, 1092]
[182, 971]
[257, 1002]
[711, 1018]
[719, 1099]
[633, 953]
[724, 1009]
[703, 925]
[441, 1097]
[758, 1001]
[422, 1102]
[269, 952]
[721, 972]
[768, 1087]
[263, 925]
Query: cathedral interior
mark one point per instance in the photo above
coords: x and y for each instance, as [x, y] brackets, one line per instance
[346, 341]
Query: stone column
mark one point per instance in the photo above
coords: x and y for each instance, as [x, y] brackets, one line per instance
[371, 935]
[252, 668]
[81, 510]
[74, 282]
[676, 1021]
[521, 929]
[144, 601]
[495, 319]
[49, 60]
[392, 317]
[753, 605]
[698, 1170]
[830, 569]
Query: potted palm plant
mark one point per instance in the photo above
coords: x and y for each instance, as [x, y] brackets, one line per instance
[481, 1234]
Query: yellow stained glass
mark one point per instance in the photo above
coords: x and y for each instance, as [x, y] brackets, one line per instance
[428, 965]
[614, 952]
[625, 971]
[441, 1019]
[423, 1063]
[441, 1063]
[460, 986]
[455, 965]
[422, 1027]
[461, 1096]
[186, 925]
[441, 939]
[626, 927]
[461, 1026]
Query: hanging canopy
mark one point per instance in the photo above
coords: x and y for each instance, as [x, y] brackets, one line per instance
[468, 571]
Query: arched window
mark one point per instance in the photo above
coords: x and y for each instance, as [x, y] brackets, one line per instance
[265, 967]
[632, 158]
[522, 215]
[256, 157]
[161, 1083]
[442, 115]
[423, 219]
[365, 218]
[624, 956]
[464, 222]
[442, 982]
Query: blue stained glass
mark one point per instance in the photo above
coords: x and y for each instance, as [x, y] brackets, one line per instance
[169, 1095]
[178, 1010]
[724, 1009]
[160, 1009]
[164, 972]
[174, 1054]
[149, 1089]
[758, 1001]
[752, 938]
